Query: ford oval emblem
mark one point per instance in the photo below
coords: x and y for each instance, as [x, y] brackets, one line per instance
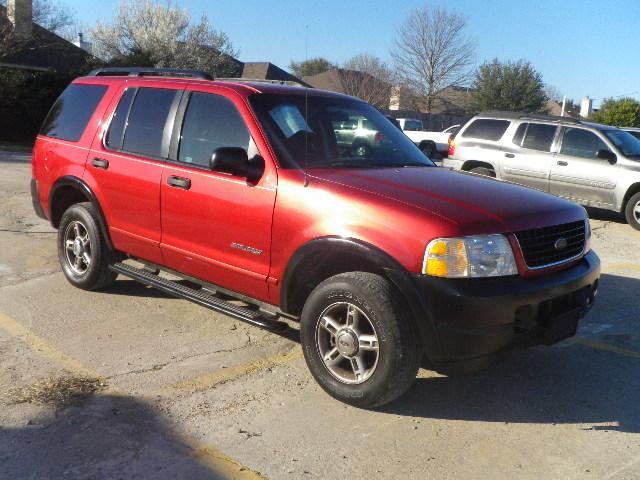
[560, 244]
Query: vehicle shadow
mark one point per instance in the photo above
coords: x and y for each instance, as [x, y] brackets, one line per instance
[567, 383]
[605, 215]
[106, 436]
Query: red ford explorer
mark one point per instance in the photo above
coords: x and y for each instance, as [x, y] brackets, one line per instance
[264, 193]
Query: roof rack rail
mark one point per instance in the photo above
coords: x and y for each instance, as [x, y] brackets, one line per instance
[149, 72]
[532, 116]
[291, 83]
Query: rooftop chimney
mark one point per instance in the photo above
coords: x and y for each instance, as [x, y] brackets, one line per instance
[20, 14]
[586, 107]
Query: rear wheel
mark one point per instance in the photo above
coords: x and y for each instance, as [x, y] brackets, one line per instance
[487, 172]
[82, 251]
[358, 341]
[428, 148]
[632, 211]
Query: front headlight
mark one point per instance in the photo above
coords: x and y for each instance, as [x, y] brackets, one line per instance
[476, 256]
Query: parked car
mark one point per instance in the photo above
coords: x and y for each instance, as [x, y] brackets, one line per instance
[242, 190]
[592, 164]
[633, 131]
[359, 134]
[432, 144]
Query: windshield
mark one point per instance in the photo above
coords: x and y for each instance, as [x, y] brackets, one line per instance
[626, 143]
[329, 132]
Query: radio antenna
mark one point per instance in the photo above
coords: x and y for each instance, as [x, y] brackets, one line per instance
[306, 110]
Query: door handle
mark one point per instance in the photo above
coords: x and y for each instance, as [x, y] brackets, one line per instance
[562, 163]
[179, 182]
[509, 155]
[100, 163]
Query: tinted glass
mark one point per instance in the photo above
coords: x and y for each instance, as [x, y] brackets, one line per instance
[634, 133]
[625, 141]
[310, 132]
[69, 116]
[211, 122]
[581, 143]
[115, 135]
[519, 135]
[539, 137]
[413, 125]
[486, 129]
[148, 116]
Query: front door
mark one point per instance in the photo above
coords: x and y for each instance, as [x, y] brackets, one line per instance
[578, 174]
[216, 227]
[528, 162]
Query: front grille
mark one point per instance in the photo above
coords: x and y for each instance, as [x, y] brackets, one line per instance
[539, 244]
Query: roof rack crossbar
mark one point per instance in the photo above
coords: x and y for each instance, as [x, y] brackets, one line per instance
[149, 72]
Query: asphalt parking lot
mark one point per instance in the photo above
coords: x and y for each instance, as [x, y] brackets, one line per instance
[182, 392]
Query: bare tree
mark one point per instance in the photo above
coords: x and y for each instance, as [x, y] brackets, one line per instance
[431, 53]
[165, 34]
[367, 77]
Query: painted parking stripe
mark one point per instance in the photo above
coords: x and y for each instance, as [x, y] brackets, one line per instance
[217, 462]
[607, 347]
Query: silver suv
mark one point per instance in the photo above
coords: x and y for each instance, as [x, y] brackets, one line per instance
[592, 164]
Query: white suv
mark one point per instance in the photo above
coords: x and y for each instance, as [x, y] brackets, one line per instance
[592, 164]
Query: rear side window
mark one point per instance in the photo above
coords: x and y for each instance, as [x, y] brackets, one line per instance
[486, 129]
[211, 122]
[69, 116]
[145, 125]
[535, 136]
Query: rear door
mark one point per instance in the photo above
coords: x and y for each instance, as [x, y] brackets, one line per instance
[528, 161]
[578, 174]
[216, 227]
[126, 166]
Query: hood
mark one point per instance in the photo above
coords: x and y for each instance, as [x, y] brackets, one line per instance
[475, 204]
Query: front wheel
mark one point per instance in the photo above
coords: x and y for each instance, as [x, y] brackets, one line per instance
[358, 341]
[632, 211]
[83, 253]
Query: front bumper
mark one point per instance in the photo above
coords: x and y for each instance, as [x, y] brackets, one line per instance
[475, 318]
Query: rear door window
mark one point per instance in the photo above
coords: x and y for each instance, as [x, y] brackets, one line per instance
[145, 126]
[539, 136]
[69, 116]
[486, 129]
[115, 135]
[581, 143]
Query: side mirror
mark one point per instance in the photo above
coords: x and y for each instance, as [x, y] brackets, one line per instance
[234, 161]
[607, 155]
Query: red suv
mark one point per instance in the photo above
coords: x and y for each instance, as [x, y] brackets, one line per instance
[243, 191]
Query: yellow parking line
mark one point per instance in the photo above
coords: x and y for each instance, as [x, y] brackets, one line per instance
[228, 374]
[220, 464]
[44, 348]
[606, 347]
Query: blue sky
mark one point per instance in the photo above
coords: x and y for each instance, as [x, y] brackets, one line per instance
[582, 47]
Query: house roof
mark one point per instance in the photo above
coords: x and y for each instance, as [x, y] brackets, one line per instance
[267, 71]
[43, 49]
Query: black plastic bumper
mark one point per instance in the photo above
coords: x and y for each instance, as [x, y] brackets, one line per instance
[35, 199]
[475, 318]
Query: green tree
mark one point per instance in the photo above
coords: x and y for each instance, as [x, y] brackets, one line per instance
[513, 86]
[313, 66]
[623, 112]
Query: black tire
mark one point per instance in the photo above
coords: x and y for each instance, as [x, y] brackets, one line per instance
[632, 211]
[96, 274]
[428, 148]
[487, 172]
[398, 355]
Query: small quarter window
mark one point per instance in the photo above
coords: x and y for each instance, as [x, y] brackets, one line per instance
[486, 129]
[115, 135]
[69, 116]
